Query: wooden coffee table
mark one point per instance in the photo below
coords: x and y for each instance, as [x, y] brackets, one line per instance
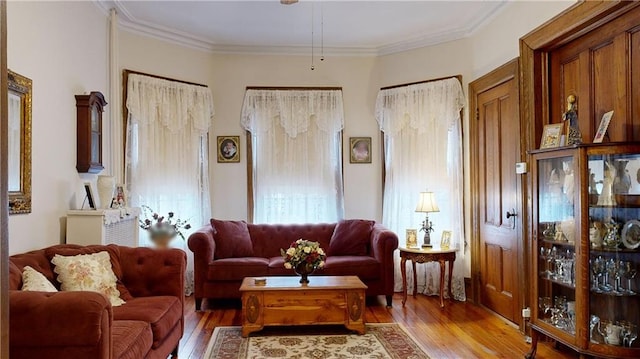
[284, 301]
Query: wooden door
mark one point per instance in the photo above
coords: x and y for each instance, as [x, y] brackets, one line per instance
[498, 192]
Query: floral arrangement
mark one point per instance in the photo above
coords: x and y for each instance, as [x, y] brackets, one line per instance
[303, 251]
[161, 226]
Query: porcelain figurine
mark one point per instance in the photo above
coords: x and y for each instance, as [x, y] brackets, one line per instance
[606, 197]
[595, 235]
[622, 182]
[612, 238]
[574, 136]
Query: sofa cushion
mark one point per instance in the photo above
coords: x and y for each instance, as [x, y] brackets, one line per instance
[161, 312]
[351, 238]
[363, 266]
[237, 269]
[32, 280]
[232, 239]
[132, 339]
[276, 267]
[88, 272]
[114, 253]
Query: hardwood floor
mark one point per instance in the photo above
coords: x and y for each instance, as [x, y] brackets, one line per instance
[459, 330]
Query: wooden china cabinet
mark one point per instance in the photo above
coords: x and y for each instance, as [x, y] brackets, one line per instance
[586, 248]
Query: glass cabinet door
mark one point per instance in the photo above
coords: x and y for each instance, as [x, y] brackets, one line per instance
[557, 194]
[614, 256]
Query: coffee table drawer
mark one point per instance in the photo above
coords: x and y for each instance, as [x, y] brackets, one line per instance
[301, 308]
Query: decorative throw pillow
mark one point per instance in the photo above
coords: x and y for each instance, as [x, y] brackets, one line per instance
[88, 272]
[114, 253]
[351, 238]
[32, 280]
[232, 239]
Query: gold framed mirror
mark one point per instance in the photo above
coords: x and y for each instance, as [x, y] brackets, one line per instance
[19, 144]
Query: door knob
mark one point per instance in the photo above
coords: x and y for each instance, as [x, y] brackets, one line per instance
[514, 214]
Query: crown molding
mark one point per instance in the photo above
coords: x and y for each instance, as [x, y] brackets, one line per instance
[128, 22]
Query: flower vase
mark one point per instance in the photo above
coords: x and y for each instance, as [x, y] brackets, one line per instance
[162, 240]
[106, 185]
[304, 269]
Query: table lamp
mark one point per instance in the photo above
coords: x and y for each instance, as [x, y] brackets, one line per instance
[427, 203]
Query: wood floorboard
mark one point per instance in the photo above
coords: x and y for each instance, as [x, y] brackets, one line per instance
[459, 330]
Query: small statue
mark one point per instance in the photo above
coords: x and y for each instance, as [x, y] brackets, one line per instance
[606, 197]
[622, 182]
[612, 237]
[567, 187]
[593, 183]
[574, 136]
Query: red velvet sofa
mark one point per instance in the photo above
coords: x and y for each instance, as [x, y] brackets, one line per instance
[225, 252]
[84, 324]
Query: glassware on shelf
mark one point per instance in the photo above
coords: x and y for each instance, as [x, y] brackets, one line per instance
[630, 273]
[545, 304]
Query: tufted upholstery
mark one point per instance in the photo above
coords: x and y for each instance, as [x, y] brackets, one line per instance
[221, 277]
[83, 324]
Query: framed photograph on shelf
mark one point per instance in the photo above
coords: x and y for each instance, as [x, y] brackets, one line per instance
[602, 129]
[445, 242]
[360, 149]
[228, 149]
[412, 238]
[89, 197]
[120, 197]
[551, 135]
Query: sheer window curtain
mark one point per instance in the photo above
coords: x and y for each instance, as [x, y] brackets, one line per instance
[296, 154]
[166, 164]
[423, 151]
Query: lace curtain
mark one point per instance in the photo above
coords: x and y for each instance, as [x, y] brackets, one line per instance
[166, 164]
[296, 154]
[423, 151]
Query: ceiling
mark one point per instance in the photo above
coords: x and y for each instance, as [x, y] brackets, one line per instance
[343, 27]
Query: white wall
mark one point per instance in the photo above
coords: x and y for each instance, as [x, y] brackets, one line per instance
[62, 48]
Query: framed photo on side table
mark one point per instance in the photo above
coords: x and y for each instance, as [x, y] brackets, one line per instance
[412, 238]
[360, 149]
[228, 149]
[602, 129]
[445, 242]
[551, 135]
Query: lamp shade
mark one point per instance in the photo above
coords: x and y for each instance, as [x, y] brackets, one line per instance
[427, 203]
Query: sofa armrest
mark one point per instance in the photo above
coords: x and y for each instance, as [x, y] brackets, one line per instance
[383, 243]
[62, 319]
[150, 272]
[202, 244]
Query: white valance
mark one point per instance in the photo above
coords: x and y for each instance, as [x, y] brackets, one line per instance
[174, 105]
[293, 110]
[421, 106]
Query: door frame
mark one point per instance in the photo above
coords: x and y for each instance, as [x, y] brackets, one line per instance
[500, 75]
[4, 210]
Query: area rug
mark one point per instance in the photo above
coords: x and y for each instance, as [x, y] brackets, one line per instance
[380, 341]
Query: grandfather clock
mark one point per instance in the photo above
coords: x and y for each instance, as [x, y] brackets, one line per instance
[89, 132]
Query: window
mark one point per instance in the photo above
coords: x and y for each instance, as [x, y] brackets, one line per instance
[296, 157]
[423, 151]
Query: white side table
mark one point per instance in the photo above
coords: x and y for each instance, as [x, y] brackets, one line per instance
[103, 226]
